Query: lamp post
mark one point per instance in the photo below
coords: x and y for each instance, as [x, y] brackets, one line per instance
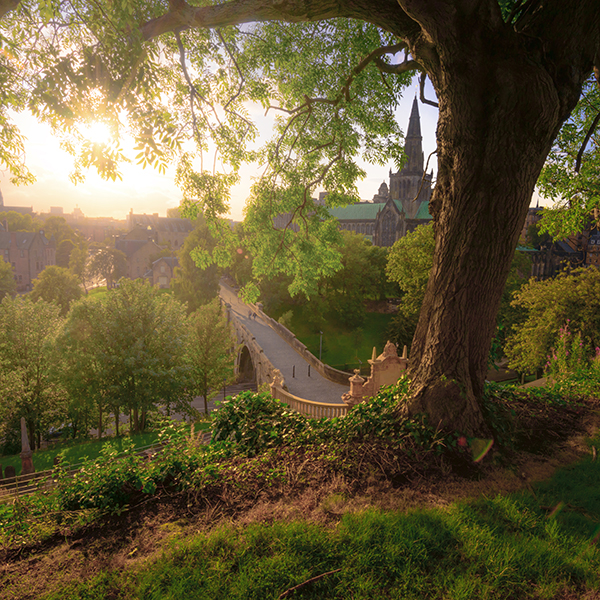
[320, 344]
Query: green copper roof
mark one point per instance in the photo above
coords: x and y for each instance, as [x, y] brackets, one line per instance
[364, 211]
[423, 212]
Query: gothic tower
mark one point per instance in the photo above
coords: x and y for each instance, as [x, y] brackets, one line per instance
[405, 185]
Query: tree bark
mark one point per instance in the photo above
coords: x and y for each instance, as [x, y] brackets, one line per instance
[500, 111]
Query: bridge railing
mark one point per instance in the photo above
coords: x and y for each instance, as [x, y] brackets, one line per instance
[314, 410]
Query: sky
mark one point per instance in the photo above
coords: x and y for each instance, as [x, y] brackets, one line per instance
[146, 190]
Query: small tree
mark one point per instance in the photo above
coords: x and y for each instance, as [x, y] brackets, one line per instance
[8, 285]
[192, 284]
[78, 264]
[27, 353]
[56, 284]
[409, 265]
[211, 353]
[108, 263]
[63, 253]
[360, 278]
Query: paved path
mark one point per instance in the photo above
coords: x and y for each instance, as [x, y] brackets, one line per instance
[285, 358]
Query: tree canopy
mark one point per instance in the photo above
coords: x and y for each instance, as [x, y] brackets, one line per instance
[507, 74]
[569, 298]
[56, 284]
[192, 284]
[27, 333]
[8, 285]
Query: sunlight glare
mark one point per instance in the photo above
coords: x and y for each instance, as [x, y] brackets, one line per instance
[97, 132]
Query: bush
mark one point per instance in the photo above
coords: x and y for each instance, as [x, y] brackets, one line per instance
[256, 421]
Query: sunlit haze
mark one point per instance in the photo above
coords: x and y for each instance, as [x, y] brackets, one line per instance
[146, 190]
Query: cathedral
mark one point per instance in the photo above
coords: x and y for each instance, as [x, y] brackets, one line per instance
[398, 209]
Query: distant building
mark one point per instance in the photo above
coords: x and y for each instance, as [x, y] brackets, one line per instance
[165, 231]
[162, 271]
[593, 249]
[29, 253]
[139, 253]
[533, 218]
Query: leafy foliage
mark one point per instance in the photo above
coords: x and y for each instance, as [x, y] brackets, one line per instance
[108, 263]
[27, 333]
[90, 65]
[409, 265]
[56, 284]
[256, 421]
[191, 284]
[8, 285]
[572, 173]
[548, 305]
[211, 351]
[127, 350]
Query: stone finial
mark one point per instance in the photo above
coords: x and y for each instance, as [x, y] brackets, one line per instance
[374, 360]
[356, 378]
[390, 350]
[405, 352]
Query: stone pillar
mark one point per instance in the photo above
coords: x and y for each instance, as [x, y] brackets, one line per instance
[404, 359]
[26, 461]
[355, 396]
[276, 383]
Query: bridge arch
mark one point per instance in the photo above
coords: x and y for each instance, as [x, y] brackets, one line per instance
[245, 369]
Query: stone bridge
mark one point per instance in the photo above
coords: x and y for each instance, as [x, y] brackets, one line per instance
[268, 349]
[271, 355]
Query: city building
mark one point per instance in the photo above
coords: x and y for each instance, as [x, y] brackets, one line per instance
[165, 231]
[162, 271]
[28, 252]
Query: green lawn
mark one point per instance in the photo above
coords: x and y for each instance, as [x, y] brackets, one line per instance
[344, 349]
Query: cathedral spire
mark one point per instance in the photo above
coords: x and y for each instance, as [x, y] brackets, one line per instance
[414, 123]
[413, 146]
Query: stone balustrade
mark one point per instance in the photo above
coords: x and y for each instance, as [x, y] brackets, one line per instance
[308, 408]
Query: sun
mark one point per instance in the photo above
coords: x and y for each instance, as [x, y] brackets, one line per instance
[97, 132]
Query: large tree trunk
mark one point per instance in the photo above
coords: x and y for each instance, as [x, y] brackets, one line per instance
[499, 114]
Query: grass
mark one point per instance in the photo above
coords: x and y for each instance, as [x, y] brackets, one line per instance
[344, 349]
[532, 544]
[77, 452]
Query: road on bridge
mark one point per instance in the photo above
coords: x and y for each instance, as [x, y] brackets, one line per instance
[283, 357]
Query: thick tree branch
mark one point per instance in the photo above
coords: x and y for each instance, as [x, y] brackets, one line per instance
[345, 91]
[403, 67]
[386, 14]
[588, 135]
[7, 5]
[422, 92]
